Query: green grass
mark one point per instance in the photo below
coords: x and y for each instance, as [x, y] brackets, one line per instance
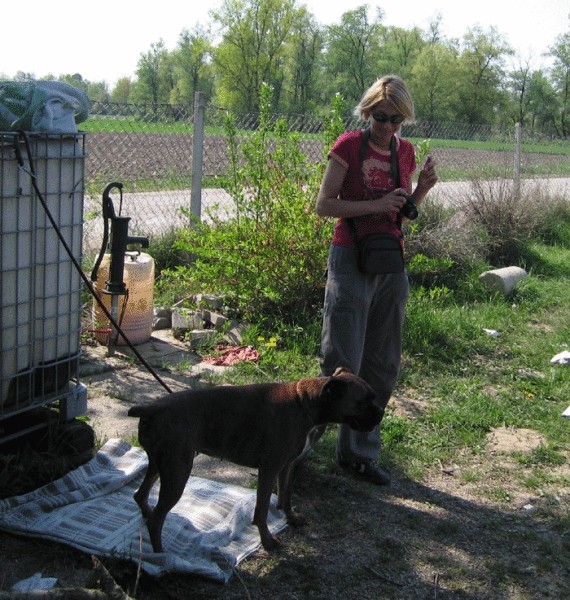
[476, 382]
[128, 124]
[554, 147]
[97, 124]
[469, 381]
[491, 171]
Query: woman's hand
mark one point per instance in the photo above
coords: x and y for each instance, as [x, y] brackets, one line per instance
[392, 202]
[427, 177]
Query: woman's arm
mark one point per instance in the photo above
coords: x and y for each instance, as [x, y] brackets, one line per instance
[330, 205]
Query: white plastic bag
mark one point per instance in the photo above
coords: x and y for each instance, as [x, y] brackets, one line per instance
[41, 106]
[562, 358]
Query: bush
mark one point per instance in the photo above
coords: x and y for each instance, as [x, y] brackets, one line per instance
[442, 246]
[510, 220]
[269, 256]
[165, 253]
[490, 226]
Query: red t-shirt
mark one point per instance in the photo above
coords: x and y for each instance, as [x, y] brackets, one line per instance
[372, 179]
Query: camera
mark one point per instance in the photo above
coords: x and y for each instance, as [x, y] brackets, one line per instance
[409, 210]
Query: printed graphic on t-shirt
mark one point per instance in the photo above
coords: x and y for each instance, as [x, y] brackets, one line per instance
[376, 174]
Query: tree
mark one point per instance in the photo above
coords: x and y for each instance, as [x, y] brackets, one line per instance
[352, 52]
[481, 72]
[401, 48]
[434, 34]
[252, 50]
[433, 83]
[191, 66]
[23, 76]
[98, 91]
[153, 83]
[561, 79]
[303, 64]
[519, 84]
[542, 104]
[122, 90]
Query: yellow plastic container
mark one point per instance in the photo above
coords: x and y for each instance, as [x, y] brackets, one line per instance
[137, 318]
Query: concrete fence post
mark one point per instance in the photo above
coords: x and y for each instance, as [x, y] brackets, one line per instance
[197, 154]
[517, 170]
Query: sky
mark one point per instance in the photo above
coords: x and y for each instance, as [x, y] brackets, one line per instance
[104, 42]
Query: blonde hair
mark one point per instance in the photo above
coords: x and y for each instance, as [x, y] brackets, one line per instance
[391, 88]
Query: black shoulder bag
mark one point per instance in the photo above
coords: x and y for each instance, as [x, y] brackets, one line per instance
[379, 252]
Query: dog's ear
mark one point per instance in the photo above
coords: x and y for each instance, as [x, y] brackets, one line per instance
[334, 386]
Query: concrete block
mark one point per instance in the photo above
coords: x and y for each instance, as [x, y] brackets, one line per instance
[234, 334]
[201, 337]
[161, 323]
[184, 319]
[217, 320]
[503, 280]
[162, 318]
[209, 302]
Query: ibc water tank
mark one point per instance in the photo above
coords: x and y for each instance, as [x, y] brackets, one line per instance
[40, 290]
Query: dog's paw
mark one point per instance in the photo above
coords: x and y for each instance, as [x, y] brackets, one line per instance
[270, 542]
[296, 519]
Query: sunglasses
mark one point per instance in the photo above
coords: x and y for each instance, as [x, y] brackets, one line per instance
[394, 119]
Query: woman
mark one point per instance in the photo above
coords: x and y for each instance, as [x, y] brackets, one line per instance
[364, 312]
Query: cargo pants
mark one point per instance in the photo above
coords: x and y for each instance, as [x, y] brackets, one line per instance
[363, 318]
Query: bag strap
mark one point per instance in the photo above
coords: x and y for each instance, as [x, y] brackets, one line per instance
[394, 171]
[394, 166]
[363, 145]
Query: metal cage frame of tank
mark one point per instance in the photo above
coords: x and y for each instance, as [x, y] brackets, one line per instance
[40, 288]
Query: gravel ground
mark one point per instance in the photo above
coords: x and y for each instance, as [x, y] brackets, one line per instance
[117, 382]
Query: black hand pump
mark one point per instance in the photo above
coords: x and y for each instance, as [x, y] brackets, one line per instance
[120, 239]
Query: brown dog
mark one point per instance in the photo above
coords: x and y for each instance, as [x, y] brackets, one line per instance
[261, 426]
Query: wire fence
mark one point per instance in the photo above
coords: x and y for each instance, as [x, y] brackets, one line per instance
[172, 157]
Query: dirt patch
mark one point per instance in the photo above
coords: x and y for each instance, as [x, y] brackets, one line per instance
[507, 440]
[131, 156]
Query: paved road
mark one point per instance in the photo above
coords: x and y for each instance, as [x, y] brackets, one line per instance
[453, 191]
[158, 212]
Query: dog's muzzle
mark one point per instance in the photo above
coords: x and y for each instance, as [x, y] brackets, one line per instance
[365, 421]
